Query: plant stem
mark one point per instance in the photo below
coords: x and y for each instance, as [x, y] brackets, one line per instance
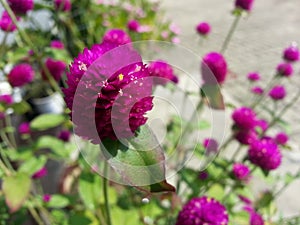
[230, 33]
[35, 215]
[105, 193]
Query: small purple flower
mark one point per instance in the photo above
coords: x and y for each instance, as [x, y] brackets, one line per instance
[291, 53]
[262, 124]
[117, 36]
[214, 68]
[21, 6]
[47, 198]
[253, 76]
[57, 44]
[244, 4]
[20, 75]
[203, 28]
[241, 171]
[278, 92]
[246, 137]
[40, 173]
[265, 154]
[281, 138]
[6, 23]
[244, 199]
[6, 99]
[202, 211]
[285, 69]
[24, 128]
[64, 5]
[64, 135]
[162, 72]
[211, 145]
[55, 67]
[257, 90]
[256, 219]
[133, 25]
[203, 175]
[244, 118]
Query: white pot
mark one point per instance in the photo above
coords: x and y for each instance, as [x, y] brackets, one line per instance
[50, 104]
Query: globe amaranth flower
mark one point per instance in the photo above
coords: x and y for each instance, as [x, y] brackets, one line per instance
[214, 68]
[265, 154]
[21, 6]
[20, 75]
[203, 175]
[291, 53]
[133, 25]
[24, 128]
[285, 69]
[246, 137]
[202, 211]
[257, 90]
[64, 135]
[244, 118]
[40, 173]
[262, 124]
[278, 92]
[241, 171]
[47, 198]
[6, 99]
[162, 72]
[56, 68]
[117, 36]
[57, 44]
[111, 99]
[211, 145]
[281, 138]
[203, 28]
[64, 5]
[6, 23]
[253, 76]
[244, 4]
[256, 219]
[245, 200]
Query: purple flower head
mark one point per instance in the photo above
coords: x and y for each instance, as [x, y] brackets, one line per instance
[278, 92]
[162, 72]
[241, 171]
[211, 145]
[285, 69]
[21, 6]
[203, 28]
[108, 99]
[253, 76]
[213, 68]
[64, 5]
[244, 199]
[2, 115]
[133, 25]
[24, 128]
[20, 75]
[262, 124]
[257, 90]
[40, 173]
[265, 154]
[202, 211]
[47, 198]
[281, 138]
[244, 4]
[203, 175]
[6, 99]
[6, 23]
[291, 53]
[246, 137]
[256, 219]
[117, 36]
[64, 135]
[57, 44]
[55, 67]
[244, 118]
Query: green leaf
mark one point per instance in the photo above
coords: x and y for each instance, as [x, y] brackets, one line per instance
[216, 191]
[204, 124]
[16, 189]
[53, 143]
[32, 165]
[214, 96]
[46, 121]
[21, 108]
[78, 219]
[140, 163]
[58, 201]
[265, 200]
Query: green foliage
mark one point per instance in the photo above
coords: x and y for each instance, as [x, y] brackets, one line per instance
[47, 121]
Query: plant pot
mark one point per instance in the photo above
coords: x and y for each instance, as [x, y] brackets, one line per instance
[50, 104]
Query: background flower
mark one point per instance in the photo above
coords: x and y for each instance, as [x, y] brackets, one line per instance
[20, 75]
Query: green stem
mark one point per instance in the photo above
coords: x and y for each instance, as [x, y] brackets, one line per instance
[10, 134]
[35, 215]
[230, 33]
[105, 193]
[2, 46]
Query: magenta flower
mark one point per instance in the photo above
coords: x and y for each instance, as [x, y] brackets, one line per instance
[246, 137]
[211, 145]
[213, 68]
[55, 67]
[253, 76]
[281, 138]
[2, 115]
[256, 219]
[202, 211]
[203, 28]
[285, 69]
[40, 173]
[21, 6]
[291, 53]
[6, 99]
[162, 72]
[241, 171]
[278, 92]
[244, 118]
[24, 128]
[245, 200]
[257, 90]
[57, 44]
[244, 4]
[265, 154]
[64, 5]
[116, 36]
[6, 23]
[203, 175]
[262, 124]
[64, 135]
[114, 94]
[133, 25]
[47, 198]
[20, 75]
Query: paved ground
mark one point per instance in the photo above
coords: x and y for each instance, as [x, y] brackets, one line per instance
[256, 46]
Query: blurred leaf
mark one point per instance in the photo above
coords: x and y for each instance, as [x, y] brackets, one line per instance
[216, 191]
[213, 95]
[46, 121]
[58, 201]
[17, 55]
[32, 165]
[16, 189]
[79, 219]
[56, 145]
[21, 107]
[204, 124]
[265, 200]
[288, 178]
